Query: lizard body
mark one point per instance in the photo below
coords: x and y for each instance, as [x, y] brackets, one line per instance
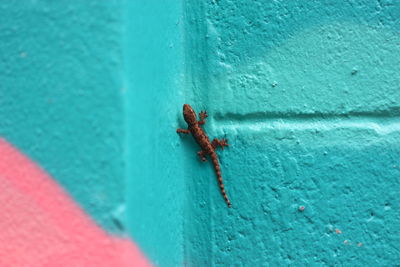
[207, 147]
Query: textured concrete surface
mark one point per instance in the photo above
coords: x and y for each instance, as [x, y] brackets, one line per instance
[308, 95]
[307, 92]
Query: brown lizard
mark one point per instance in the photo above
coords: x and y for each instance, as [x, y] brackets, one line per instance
[207, 147]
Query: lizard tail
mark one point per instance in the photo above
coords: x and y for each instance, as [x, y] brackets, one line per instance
[219, 176]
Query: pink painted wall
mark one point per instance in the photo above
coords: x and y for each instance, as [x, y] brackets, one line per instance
[42, 226]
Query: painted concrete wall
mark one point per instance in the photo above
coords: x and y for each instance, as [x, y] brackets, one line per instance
[62, 174]
[62, 98]
[156, 188]
[306, 92]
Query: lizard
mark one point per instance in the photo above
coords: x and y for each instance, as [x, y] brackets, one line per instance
[207, 147]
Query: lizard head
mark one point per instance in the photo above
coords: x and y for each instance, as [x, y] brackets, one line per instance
[189, 114]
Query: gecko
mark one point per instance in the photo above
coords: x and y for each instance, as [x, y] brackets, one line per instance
[207, 147]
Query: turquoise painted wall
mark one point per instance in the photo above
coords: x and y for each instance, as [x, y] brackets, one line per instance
[61, 96]
[156, 192]
[307, 92]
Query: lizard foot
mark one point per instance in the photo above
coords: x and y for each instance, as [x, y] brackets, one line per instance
[201, 154]
[203, 115]
[219, 143]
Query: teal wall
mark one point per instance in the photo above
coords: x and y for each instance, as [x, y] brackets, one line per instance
[306, 92]
[156, 196]
[61, 96]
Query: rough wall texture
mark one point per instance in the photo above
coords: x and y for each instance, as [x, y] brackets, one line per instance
[308, 94]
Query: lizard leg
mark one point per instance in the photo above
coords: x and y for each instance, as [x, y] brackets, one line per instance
[202, 154]
[219, 143]
[185, 131]
[203, 115]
